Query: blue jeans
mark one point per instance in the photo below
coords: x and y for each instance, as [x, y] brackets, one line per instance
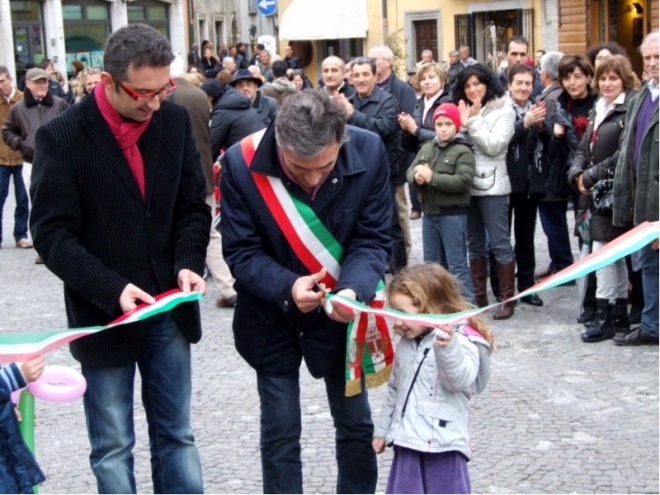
[488, 217]
[555, 226]
[166, 391]
[443, 238]
[648, 262]
[22, 210]
[280, 435]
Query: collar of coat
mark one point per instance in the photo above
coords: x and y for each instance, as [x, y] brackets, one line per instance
[31, 101]
[266, 161]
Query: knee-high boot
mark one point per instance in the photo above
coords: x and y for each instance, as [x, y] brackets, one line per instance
[479, 271]
[506, 273]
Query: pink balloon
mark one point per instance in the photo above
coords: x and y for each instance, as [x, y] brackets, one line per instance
[49, 386]
[16, 395]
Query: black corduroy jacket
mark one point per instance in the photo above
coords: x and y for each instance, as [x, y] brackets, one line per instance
[94, 230]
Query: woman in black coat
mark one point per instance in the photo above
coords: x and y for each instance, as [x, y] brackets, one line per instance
[210, 63]
[596, 160]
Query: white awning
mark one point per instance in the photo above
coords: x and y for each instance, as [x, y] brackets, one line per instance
[324, 20]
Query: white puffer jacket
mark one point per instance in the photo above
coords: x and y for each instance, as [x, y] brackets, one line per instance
[431, 413]
[490, 133]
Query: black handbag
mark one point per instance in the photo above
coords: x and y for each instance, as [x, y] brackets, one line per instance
[601, 193]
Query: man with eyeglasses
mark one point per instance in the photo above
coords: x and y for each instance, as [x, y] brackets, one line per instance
[119, 214]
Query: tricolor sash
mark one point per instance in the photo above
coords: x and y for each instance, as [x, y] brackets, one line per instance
[369, 349]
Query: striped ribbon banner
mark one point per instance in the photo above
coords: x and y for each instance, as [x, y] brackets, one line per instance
[620, 247]
[24, 347]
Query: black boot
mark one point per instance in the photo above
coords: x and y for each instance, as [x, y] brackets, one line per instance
[587, 316]
[620, 316]
[603, 326]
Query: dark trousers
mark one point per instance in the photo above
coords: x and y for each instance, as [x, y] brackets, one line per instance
[414, 198]
[399, 256]
[555, 226]
[522, 213]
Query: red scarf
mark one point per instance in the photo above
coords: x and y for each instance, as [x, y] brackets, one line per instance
[126, 133]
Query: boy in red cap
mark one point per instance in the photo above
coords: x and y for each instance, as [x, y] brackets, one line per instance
[443, 170]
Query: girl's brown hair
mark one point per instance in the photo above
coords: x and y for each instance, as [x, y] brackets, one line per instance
[434, 290]
[619, 65]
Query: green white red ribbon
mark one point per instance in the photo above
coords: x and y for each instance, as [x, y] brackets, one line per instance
[620, 247]
[23, 347]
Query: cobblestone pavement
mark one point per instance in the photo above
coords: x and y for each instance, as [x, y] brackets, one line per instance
[558, 415]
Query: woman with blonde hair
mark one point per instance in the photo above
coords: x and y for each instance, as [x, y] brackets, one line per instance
[419, 127]
[592, 174]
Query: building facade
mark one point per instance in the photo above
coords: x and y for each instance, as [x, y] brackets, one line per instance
[584, 23]
[68, 30]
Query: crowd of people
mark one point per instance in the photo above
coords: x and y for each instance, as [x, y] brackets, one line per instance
[313, 201]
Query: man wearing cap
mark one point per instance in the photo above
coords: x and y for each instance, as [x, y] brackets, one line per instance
[37, 107]
[244, 82]
[11, 165]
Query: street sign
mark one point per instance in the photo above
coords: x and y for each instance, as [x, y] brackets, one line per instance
[267, 7]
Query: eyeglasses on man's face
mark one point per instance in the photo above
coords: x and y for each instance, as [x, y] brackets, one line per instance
[145, 96]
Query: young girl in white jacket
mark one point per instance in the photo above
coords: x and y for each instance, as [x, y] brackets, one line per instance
[426, 416]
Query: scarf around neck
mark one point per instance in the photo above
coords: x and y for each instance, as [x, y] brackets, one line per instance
[126, 134]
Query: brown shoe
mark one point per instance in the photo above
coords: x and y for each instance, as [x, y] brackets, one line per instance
[24, 243]
[226, 302]
[415, 215]
[506, 275]
[543, 274]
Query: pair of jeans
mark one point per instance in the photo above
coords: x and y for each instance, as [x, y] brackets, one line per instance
[647, 258]
[555, 226]
[281, 427]
[444, 242]
[22, 210]
[166, 396]
[612, 279]
[488, 217]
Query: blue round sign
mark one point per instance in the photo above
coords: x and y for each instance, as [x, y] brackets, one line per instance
[267, 7]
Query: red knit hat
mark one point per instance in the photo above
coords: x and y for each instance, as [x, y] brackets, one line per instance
[451, 111]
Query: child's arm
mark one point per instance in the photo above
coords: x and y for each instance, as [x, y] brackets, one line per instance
[461, 179]
[17, 375]
[457, 363]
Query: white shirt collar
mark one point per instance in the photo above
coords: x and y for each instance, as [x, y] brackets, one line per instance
[11, 95]
[654, 89]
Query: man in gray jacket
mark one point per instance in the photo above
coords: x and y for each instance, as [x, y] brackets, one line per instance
[37, 107]
[635, 195]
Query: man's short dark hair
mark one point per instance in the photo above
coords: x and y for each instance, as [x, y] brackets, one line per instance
[520, 69]
[4, 71]
[521, 40]
[279, 69]
[365, 61]
[136, 45]
[240, 45]
[261, 46]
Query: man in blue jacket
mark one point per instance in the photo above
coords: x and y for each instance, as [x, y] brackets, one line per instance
[310, 161]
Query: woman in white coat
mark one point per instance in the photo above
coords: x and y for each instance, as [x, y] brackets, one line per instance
[488, 120]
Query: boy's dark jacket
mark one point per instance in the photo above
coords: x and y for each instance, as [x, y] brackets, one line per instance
[19, 471]
[453, 167]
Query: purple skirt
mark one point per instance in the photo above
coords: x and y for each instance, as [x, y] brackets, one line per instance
[423, 472]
